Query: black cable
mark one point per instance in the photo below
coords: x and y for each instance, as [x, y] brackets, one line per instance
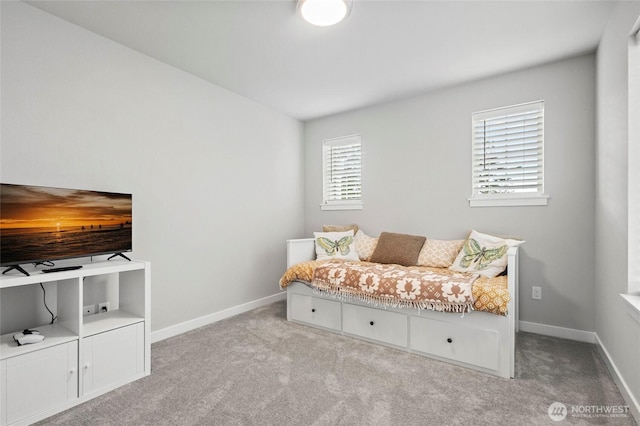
[44, 298]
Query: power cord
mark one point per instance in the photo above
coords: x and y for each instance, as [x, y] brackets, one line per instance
[44, 297]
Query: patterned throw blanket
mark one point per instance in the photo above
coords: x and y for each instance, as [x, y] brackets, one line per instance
[397, 286]
[393, 285]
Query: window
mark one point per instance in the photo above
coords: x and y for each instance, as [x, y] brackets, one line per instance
[507, 156]
[634, 165]
[632, 297]
[342, 173]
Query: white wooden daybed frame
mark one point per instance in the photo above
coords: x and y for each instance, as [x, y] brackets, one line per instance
[477, 340]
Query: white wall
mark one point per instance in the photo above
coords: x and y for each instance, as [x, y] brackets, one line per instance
[417, 179]
[618, 332]
[216, 178]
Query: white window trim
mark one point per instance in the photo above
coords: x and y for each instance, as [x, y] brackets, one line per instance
[341, 204]
[506, 199]
[632, 305]
[633, 171]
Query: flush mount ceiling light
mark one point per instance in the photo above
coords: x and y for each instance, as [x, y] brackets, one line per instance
[324, 12]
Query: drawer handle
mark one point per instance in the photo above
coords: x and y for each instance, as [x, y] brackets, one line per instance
[370, 322]
[313, 309]
[449, 340]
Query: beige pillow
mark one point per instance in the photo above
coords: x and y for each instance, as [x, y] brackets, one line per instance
[340, 228]
[483, 254]
[365, 245]
[401, 249]
[439, 253]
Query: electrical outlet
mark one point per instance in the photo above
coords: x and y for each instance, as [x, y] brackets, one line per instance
[88, 310]
[103, 307]
[536, 293]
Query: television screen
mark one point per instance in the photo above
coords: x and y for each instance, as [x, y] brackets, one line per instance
[39, 224]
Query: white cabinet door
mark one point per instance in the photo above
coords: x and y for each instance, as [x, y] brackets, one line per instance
[112, 357]
[316, 311]
[39, 381]
[458, 342]
[375, 324]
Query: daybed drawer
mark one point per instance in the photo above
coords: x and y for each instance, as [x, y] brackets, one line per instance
[471, 345]
[316, 311]
[384, 326]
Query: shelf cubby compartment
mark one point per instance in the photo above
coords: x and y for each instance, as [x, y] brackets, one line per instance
[127, 294]
[55, 335]
[100, 323]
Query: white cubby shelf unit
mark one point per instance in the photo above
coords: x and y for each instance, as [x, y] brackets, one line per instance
[82, 356]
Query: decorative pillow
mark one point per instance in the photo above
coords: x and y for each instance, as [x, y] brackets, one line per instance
[335, 245]
[483, 254]
[365, 245]
[340, 228]
[400, 249]
[439, 253]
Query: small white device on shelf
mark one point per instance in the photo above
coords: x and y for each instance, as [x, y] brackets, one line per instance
[28, 337]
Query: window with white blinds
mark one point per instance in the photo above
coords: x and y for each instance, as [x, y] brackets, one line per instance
[342, 173]
[508, 156]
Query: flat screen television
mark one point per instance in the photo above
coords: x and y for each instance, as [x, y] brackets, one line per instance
[40, 224]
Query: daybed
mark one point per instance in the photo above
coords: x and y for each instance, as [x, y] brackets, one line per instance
[477, 332]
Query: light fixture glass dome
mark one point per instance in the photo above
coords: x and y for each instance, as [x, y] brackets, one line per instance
[324, 12]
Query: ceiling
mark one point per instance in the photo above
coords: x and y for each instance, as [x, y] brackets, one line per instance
[385, 50]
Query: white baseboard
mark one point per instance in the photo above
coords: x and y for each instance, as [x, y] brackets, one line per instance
[564, 333]
[183, 327]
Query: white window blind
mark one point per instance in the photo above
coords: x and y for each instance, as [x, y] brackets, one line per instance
[507, 155]
[342, 173]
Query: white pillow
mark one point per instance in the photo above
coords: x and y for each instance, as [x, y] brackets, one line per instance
[335, 245]
[439, 253]
[365, 245]
[483, 254]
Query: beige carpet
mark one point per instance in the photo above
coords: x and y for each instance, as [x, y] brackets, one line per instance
[259, 369]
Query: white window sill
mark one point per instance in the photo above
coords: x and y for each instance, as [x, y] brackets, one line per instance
[508, 200]
[350, 206]
[632, 305]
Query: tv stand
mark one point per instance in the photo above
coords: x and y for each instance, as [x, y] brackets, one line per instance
[18, 268]
[82, 356]
[118, 254]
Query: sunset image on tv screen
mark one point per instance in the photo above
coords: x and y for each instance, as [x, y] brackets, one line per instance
[41, 223]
